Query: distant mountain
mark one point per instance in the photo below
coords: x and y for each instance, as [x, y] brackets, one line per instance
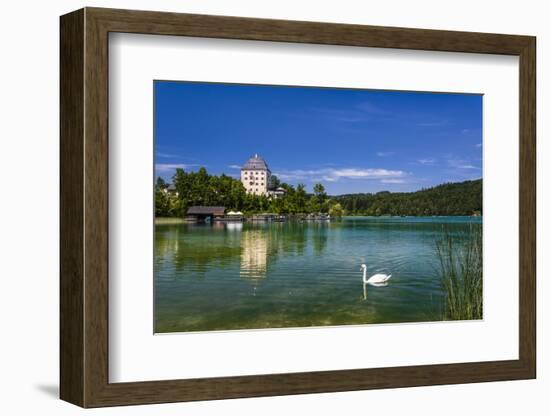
[460, 198]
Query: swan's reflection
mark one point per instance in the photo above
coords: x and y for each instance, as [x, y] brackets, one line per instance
[372, 284]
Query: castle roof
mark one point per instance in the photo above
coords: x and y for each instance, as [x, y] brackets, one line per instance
[255, 163]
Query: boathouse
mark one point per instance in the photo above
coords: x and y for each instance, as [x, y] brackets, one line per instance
[204, 213]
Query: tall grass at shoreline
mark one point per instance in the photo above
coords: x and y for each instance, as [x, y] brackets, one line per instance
[460, 261]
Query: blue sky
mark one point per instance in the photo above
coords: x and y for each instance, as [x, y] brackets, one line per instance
[349, 140]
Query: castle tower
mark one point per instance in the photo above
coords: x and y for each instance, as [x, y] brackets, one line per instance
[256, 176]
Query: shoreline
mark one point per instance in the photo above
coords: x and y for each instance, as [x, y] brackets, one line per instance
[176, 220]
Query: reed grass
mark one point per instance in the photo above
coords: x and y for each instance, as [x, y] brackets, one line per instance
[460, 258]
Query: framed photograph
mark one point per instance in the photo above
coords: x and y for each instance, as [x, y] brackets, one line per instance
[255, 207]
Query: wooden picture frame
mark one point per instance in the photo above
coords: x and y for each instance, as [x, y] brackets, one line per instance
[84, 207]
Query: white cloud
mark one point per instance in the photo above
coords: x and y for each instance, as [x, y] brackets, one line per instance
[392, 181]
[335, 174]
[234, 167]
[426, 161]
[384, 154]
[432, 123]
[168, 167]
[369, 108]
[478, 145]
[353, 173]
[461, 164]
[360, 113]
[166, 155]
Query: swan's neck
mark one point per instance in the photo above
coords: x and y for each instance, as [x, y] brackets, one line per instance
[365, 275]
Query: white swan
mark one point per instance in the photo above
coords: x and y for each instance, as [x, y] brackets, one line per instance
[376, 279]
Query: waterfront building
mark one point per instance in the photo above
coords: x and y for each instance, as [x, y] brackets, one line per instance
[171, 189]
[256, 176]
[204, 213]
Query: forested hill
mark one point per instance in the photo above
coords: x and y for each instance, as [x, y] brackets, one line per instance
[461, 198]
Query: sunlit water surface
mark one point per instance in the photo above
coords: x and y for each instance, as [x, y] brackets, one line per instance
[272, 275]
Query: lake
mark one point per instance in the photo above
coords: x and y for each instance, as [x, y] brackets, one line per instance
[226, 276]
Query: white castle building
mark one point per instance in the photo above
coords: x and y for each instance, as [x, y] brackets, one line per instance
[256, 176]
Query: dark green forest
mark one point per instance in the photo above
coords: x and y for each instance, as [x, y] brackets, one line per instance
[200, 188]
[461, 198]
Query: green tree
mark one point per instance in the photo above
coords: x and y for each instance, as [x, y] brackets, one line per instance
[463, 198]
[162, 203]
[336, 210]
[300, 198]
[319, 191]
[274, 182]
[167, 204]
[313, 205]
[201, 188]
[321, 195]
[161, 183]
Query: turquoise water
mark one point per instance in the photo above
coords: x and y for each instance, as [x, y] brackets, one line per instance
[272, 275]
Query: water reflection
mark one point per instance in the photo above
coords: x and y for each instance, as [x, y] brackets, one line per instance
[320, 237]
[193, 248]
[254, 247]
[303, 274]
[261, 244]
[234, 226]
[372, 284]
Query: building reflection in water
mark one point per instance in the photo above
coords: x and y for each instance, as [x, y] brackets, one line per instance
[254, 247]
[234, 226]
